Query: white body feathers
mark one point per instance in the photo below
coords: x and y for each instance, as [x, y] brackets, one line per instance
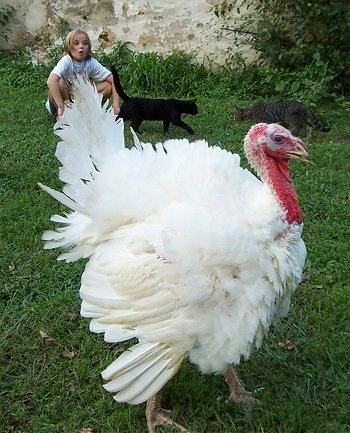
[188, 252]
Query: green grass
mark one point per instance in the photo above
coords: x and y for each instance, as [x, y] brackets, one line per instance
[44, 390]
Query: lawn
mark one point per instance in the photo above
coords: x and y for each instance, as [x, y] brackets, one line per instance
[50, 363]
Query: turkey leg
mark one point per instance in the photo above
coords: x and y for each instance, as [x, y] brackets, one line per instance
[237, 392]
[155, 415]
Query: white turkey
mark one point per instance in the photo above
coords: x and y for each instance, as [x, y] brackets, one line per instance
[187, 251]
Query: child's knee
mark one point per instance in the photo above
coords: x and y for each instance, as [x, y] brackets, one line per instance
[105, 88]
[62, 84]
[65, 89]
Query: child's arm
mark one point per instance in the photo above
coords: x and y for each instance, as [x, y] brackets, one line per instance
[115, 96]
[55, 93]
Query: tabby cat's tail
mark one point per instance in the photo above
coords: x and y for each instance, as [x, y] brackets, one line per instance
[118, 86]
[316, 123]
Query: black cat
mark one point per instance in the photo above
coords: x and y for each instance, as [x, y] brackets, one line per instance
[139, 109]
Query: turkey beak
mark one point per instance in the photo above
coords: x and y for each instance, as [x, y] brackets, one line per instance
[299, 152]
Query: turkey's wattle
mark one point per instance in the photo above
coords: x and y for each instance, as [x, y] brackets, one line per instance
[187, 251]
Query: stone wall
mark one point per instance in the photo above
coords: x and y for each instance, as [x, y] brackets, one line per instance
[155, 25]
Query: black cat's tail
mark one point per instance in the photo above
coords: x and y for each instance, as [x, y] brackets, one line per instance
[118, 86]
[316, 123]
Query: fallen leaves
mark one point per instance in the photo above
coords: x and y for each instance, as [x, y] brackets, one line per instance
[72, 315]
[287, 344]
[305, 276]
[12, 268]
[47, 339]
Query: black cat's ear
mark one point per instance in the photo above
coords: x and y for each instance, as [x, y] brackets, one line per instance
[194, 100]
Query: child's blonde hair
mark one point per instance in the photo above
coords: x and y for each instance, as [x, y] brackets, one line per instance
[69, 41]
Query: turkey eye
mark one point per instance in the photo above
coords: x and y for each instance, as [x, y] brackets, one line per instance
[278, 139]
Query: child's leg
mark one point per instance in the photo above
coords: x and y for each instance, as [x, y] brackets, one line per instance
[65, 90]
[51, 107]
[105, 88]
[66, 94]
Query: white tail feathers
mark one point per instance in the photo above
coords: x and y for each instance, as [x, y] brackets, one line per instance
[89, 132]
[141, 372]
[62, 198]
[90, 136]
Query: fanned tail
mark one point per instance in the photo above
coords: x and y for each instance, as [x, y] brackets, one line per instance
[141, 372]
[90, 138]
[90, 135]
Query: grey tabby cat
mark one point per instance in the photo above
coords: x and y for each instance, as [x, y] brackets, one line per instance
[291, 114]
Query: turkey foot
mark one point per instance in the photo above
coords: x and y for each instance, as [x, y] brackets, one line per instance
[237, 392]
[155, 415]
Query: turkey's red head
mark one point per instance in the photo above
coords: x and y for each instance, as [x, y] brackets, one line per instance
[269, 147]
[274, 141]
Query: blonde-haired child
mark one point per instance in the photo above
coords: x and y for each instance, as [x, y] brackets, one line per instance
[78, 61]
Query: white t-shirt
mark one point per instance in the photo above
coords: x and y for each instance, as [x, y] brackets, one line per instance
[68, 69]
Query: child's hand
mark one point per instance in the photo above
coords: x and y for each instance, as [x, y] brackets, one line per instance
[60, 111]
[116, 108]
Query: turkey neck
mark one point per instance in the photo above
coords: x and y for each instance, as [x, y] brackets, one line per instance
[278, 178]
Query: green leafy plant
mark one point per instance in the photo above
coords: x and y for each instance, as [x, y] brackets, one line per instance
[6, 13]
[62, 27]
[17, 70]
[308, 38]
[223, 8]
[172, 73]
[120, 55]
